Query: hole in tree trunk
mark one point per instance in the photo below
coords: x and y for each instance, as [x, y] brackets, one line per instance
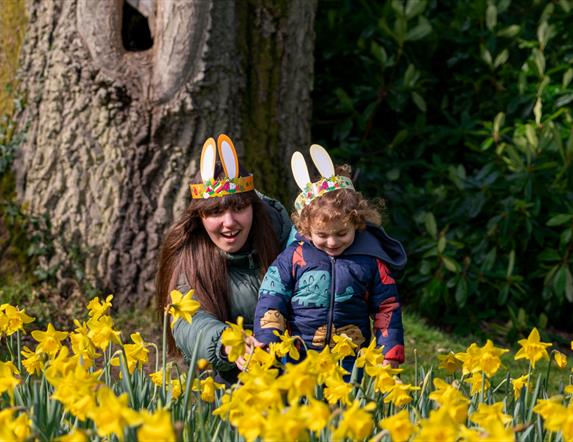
[135, 32]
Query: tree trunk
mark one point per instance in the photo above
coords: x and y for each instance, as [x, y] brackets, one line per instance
[119, 99]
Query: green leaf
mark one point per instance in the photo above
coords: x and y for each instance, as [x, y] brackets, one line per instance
[562, 218]
[450, 264]
[531, 135]
[393, 174]
[510, 264]
[430, 223]
[491, 16]
[537, 111]
[564, 100]
[501, 58]
[567, 76]
[510, 31]
[379, 53]
[411, 76]
[442, 243]
[414, 7]
[538, 61]
[568, 285]
[461, 294]
[419, 101]
[498, 122]
[419, 31]
[485, 55]
[345, 100]
[560, 281]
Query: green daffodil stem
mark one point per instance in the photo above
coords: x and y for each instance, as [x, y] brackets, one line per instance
[164, 356]
[546, 383]
[19, 350]
[525, 402]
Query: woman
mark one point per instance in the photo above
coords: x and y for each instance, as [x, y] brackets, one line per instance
[221, 247]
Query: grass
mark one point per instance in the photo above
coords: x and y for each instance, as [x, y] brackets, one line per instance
[425, 342]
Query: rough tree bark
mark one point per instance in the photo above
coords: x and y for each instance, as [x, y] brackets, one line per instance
[114, 134]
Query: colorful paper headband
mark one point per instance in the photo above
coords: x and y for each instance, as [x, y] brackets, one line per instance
[231, 183]
[327, 183]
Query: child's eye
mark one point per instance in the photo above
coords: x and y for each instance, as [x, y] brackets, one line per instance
[343, 233]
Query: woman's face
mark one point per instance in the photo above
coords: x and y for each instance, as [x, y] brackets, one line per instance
[229, 229]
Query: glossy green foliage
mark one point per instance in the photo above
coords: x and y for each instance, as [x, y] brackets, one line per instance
[458, 114]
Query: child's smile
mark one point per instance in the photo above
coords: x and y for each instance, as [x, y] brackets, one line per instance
[334, 238]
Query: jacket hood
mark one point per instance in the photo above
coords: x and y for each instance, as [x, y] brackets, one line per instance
[374, 241]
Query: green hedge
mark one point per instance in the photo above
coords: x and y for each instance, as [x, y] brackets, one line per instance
[458, 114]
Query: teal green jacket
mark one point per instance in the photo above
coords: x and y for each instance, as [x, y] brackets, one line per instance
[244, 283]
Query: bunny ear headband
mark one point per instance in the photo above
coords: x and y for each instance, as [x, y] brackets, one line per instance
[228, 185]
[327, 183]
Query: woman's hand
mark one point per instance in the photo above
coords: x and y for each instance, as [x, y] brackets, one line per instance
[250, 344]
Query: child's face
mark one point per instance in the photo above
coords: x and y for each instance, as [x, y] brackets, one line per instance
[332, 238]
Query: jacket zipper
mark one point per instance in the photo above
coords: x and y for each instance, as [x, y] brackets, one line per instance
[331, 306]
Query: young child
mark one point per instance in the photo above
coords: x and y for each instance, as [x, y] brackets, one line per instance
[335, 276]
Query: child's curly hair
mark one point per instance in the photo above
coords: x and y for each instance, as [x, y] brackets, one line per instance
[346, 204]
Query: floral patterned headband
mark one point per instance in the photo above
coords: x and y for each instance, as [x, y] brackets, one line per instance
[327, 183]
[228, 185]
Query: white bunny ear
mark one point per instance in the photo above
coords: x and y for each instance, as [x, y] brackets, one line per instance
[208, 159]
[228, 156]
[299, 170]
[322, 160]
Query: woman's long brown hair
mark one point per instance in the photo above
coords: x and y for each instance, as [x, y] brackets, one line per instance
[188, 250]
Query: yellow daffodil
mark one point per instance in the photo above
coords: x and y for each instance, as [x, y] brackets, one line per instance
[568, 389]
[343, 346]
[323, 365]
[14, 429]
[315, 416]
[496, 431]
[518, 385]
[99, 308]
[287, 346]
[298, 381]
[283, 425]
[33, 361]
[113, 415]
[203, 364]
[370, 358]
[450, 363]
[532, 348]
[82, 345]
[399, 426]
[439, 426]
[556, 416]
[60, 366]
[486, 413]
[486, 358]
[356, 422]
[156, 427]
[182, 306]
[8, 377]
[76, 435]
[233, 337]
[137, 353]
[337, 390]
[76, 390]
[49, 340]
[477, 381]
[264, 359]
[560, 359]
[176, 387]
[12, 319]
[385, 378]
[451, 399]
[101, 332]
[207, 388]
[399, 395]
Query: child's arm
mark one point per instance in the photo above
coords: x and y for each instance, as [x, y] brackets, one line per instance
[274, 298]
[384, 305]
